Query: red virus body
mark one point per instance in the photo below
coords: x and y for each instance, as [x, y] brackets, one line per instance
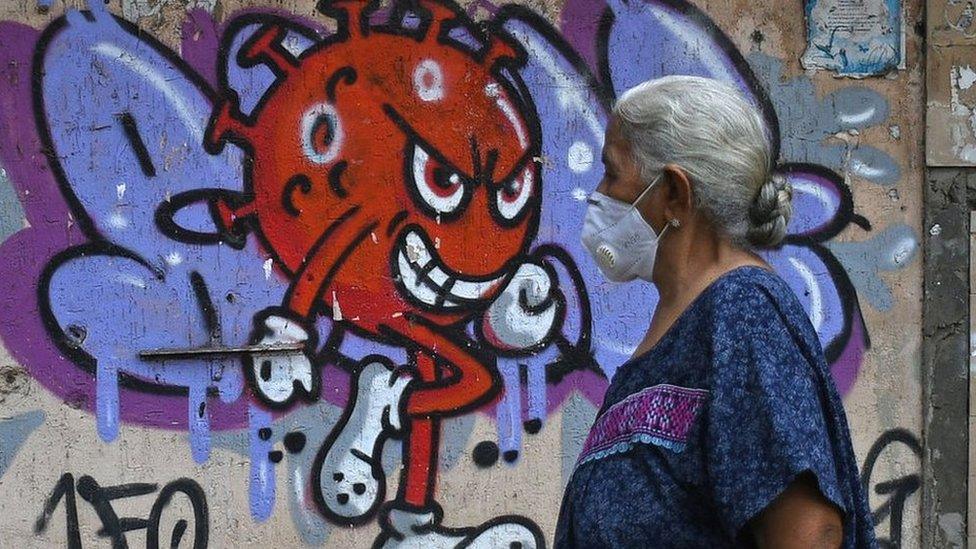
[392, 178]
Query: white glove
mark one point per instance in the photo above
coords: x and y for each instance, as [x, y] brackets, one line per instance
[525, 313]
[279, 376]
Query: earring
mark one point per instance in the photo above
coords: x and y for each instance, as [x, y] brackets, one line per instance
[675, 223]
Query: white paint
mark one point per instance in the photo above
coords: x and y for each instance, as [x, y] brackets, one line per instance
[823, 197]
[374, 410]
[120, 191]
[428, 80]
[131, 281]
[571, 97]
[936, 230]
[864, 170]
[903, 249]
[309, 122]
[286, 367]
[494, 90]
[268, 265]
[174, 258]
[967, 77]
[372, 235]
[413, 251]
[580, 157]
[816, 299]
[190, 118]
[336, 310]
[858, 118]
[117, 221]
[579, 194]
[516, 322]
[895, 131]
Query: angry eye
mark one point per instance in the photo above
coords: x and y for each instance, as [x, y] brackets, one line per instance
[514, 194]
[440, 188]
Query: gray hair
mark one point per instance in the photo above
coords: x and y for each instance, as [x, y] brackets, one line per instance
[721, 141]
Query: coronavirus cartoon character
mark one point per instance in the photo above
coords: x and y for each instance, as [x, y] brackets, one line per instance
[394, 179]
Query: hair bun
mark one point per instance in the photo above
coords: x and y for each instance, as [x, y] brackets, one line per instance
[770, 212]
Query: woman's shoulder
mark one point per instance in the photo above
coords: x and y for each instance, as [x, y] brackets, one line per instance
[749, 286]
[751, 298]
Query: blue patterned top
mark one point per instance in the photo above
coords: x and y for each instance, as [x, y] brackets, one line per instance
[701, 433]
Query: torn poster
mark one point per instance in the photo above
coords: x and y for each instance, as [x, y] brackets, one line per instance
[854, 37]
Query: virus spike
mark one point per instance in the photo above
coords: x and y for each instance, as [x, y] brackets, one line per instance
[265, 47]
[353, 15]
[229, 214]
[223, 125]
[440, 16]
[499, 48]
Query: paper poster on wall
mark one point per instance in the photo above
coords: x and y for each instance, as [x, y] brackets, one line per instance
[854, 37]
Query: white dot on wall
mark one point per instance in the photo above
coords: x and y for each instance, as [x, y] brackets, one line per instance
[580, 157]
[428, 80]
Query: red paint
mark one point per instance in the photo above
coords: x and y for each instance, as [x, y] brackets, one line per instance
[478, 140]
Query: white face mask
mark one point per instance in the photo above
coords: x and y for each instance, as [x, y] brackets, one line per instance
[619, 239]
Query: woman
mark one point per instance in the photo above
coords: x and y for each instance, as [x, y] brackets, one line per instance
[724, 429]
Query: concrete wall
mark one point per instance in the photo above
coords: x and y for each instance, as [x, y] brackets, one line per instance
[169, 165]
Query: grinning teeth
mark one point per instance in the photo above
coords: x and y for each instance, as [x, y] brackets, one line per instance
[417, 251]
[421, 291]
[472, 290]
[438, 276]
[432, 288]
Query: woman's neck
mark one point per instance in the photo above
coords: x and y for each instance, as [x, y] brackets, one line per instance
[689, 263]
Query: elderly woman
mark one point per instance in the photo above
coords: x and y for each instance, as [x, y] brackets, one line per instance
[724, 429]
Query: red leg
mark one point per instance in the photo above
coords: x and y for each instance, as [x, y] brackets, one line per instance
[417, 483]
[472, 384]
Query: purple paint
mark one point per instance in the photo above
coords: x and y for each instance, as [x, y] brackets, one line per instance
[262, 486]
[509, 410]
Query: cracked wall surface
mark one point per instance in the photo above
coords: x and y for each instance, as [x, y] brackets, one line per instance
[170, 168]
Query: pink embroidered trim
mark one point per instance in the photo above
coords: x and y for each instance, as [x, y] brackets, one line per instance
[662, 415]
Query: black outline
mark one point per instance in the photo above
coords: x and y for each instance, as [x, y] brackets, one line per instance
[138, 146]
[201, 513]
[297, 182]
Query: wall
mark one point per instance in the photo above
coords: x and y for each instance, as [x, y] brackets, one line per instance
[178, 188]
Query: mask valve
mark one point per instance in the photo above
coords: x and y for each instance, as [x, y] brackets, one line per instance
[606, 256]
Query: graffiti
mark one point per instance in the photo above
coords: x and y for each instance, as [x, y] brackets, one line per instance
[283, 218]
[14, 432]
[101, 499]
[897, 491]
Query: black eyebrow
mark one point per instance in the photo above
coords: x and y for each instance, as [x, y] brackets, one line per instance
[417, 139]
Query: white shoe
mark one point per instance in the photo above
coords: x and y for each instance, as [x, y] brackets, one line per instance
[348, 478]
[407, 528]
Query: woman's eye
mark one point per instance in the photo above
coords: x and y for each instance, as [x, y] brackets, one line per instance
[438, 186]
[514, 194]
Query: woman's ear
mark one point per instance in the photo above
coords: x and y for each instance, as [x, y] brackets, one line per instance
[679, 195]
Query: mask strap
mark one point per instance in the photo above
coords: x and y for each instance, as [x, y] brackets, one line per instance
[645, 191]
[667, 226]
